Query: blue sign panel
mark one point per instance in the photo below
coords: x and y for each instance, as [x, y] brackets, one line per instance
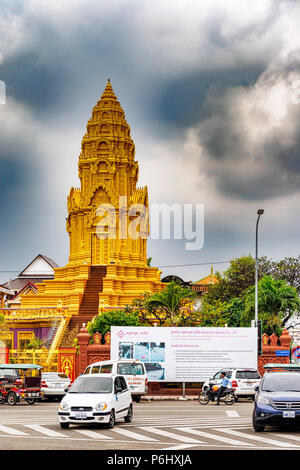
[283, 352]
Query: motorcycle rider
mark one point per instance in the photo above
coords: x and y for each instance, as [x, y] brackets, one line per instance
[223, 386]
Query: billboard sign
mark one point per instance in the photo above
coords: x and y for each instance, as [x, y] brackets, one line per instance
[187, 354]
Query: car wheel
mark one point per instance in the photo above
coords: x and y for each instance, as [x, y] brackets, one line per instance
[136, 399]
[112, 420]
[203, 398]
[2, 399]
[229, 399]
[31, 401]
[12, 398]
[129, 416]
[64, 425]
[257, 427]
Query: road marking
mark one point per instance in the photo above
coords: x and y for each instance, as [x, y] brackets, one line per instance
[180, 446]
[92, 434]
[257, 438]
[13, 432]
[232, 414]
[46, 431]
[134, 435]
[170, 434]
[215, 437]
[288, 436]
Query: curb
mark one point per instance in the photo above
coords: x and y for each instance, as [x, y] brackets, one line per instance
[169, 397]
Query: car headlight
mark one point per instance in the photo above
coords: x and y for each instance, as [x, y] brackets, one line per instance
[63, 406]
[101, 406]
[263, 400]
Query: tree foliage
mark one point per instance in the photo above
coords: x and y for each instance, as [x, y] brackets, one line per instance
[278, 287]
[172, 306]
[277, 302]
[120, 317]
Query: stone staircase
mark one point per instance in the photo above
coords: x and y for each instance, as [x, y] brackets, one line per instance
[90, 300]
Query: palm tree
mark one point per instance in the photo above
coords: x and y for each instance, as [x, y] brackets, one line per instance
[277, 302]
[172, 300]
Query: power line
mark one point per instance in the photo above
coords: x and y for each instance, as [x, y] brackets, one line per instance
[158, 266]
[192, 264]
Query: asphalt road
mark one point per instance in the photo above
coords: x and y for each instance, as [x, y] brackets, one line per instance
[157, 426]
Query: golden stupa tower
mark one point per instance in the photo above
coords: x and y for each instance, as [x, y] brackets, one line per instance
[104, 270]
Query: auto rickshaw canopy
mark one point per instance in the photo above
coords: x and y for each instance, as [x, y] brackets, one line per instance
[20, 366]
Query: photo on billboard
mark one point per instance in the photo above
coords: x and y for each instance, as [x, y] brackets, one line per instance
[157, 352]
[126, 350]
[142, 351]
[155, 371]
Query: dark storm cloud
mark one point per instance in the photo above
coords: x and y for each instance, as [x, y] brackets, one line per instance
[182, 102]
[59, 66]
[248, 140]
[178, 69]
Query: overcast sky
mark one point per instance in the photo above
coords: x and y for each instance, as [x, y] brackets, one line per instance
[207, 88]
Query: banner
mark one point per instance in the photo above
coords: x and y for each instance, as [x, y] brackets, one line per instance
[185, 354]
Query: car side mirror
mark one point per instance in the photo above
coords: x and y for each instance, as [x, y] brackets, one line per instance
[256, 388]
[66, 390]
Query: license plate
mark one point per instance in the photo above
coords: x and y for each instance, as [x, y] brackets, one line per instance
[289, 414]
[81, 415]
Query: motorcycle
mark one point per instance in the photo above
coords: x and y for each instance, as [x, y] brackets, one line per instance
[211, 394]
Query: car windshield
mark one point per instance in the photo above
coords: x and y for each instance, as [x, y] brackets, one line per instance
[281, 382]
[54, 376]
[130, 369]
[247, 374]
[92, 385]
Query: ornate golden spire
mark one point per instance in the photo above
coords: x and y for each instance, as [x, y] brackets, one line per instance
[108, 92]
[107, 171]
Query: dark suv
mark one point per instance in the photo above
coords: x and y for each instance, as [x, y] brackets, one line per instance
[277, 399]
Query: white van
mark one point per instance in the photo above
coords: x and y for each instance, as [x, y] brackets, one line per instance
[133, 369]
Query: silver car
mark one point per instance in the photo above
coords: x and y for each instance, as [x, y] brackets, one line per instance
[54, 384]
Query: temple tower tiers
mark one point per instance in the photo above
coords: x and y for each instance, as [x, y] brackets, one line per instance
[107, 171]
[102, 270]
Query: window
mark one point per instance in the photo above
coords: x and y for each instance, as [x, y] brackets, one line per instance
[87, 371]
[130, 369]
[106, 369]
[217, 376]
[92, 385]
[247, 374]
[95, 370]
[123, 383]
[118, 384]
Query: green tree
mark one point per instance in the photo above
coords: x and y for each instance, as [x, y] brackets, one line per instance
[213, 314]
[122, 317]
[277, 302]
[172, 301]
[234, 311]
[239, 276]
[35, 343]
[172, 306]
[222, 313]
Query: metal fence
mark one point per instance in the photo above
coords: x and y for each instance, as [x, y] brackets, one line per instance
[34, 356]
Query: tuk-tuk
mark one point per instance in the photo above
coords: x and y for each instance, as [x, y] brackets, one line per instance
[20, 382]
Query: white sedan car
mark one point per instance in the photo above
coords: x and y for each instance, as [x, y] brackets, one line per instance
[54, 384]
[96, 398]
[244, 381]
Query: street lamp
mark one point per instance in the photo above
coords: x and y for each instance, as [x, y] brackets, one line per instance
[259, 212]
